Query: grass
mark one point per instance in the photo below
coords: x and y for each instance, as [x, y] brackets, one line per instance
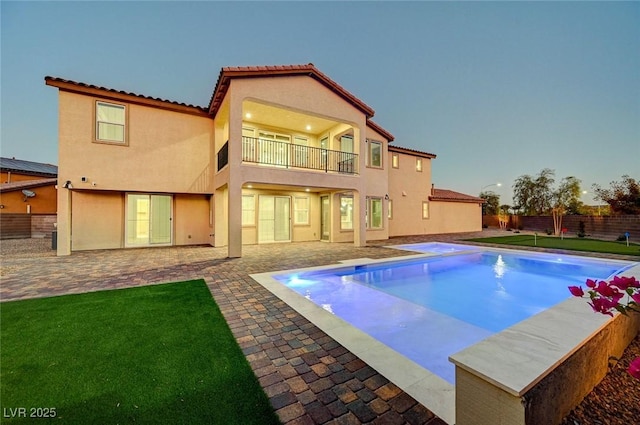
[573, 244]
[146, 355]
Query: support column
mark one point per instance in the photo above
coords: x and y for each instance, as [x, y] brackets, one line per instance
[64, 220]
[359, 225]
[235, 219]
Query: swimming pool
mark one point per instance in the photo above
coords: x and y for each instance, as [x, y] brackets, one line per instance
[428, 308]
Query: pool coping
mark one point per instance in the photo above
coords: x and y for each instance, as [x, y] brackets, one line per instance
[546, 345]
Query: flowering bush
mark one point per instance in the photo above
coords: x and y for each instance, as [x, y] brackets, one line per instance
[605, 298]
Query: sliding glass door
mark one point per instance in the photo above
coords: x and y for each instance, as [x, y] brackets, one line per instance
[148, 220]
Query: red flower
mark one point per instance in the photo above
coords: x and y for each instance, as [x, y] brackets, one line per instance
[564, 230]
[623, 282]
[576, 291]
[636, 298]
[634, 368]
[591, 283]
[603, 305]
[606, 290]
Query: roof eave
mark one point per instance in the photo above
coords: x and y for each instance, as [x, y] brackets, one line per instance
[112, 94]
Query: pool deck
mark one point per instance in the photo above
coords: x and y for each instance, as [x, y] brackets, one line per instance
[308, 377]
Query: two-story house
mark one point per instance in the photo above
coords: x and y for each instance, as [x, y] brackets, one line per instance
[280, 154]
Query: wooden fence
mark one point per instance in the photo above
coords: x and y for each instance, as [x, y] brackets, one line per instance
[23, 226]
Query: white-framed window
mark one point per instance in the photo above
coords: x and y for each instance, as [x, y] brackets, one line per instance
[248, 210]
[346, 213]
[374, 154]
[425, 209]
[110, 122]
[374, 213]
[390, 209]
[301, 210]
[346, 144]
[395, 160]
[419, 164]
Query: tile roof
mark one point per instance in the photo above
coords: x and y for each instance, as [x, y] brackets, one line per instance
[228, 73]
[380, 130]
[26, 184]
[400, 149]
[220, 90]
[28, 167]
[75, 86]
[450, 195]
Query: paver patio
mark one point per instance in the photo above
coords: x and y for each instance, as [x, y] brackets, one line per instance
[309, 377]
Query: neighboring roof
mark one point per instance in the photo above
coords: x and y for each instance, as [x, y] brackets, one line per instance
[28, 167]
[26, 184]
[413, 152]
[76, 87]
[229, 73]
[451, 196]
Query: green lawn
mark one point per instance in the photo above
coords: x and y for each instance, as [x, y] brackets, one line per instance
[574, 244]
[146, 355]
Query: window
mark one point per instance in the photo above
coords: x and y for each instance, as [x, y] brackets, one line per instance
[390, 209]
[419, 164]
[301, 210]
[395, 161]
[375, 154]
[110, 122]
[346, 144]
[374, 213]
[346, 213]
[248, 210]
[425, 209]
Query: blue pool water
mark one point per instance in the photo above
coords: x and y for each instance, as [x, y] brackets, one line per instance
[432, 307]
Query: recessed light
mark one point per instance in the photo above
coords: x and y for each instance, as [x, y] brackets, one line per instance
[247, 115]
[307, 190]
[249, 186]
[308, 127]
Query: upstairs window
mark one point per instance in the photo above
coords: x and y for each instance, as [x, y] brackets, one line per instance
[419, 164]
[375, 154]
[110, 123]
[425, 209]
[395, 161]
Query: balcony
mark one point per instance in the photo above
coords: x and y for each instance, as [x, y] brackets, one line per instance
[287, 155]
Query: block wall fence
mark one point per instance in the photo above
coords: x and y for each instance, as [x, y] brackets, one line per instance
[606, 227]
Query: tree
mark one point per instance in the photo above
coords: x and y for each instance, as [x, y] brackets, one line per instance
[533, 195]
[536, 196]
[623, 197]
[564, 197]
[492, 200]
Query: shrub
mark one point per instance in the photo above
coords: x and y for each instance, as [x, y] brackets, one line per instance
[548, 231]
[581, 230]
[621, 238]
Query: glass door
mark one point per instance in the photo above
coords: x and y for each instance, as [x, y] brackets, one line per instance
[325, 218]
[274, 219]
[148, 220]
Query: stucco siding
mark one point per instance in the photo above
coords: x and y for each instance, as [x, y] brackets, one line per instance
[97, 220]
[165, 151]
[191, 220]
[453, 217]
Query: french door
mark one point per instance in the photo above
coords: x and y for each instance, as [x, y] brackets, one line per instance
[148, 220]
[274, 219]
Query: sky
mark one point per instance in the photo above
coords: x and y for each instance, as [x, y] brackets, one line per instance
[495, 89]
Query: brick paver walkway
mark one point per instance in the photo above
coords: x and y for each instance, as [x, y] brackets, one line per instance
[309, 377]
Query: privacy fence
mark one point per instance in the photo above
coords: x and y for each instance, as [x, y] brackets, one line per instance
[22, 226]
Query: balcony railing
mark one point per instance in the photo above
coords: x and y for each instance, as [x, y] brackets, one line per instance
[287, 155]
